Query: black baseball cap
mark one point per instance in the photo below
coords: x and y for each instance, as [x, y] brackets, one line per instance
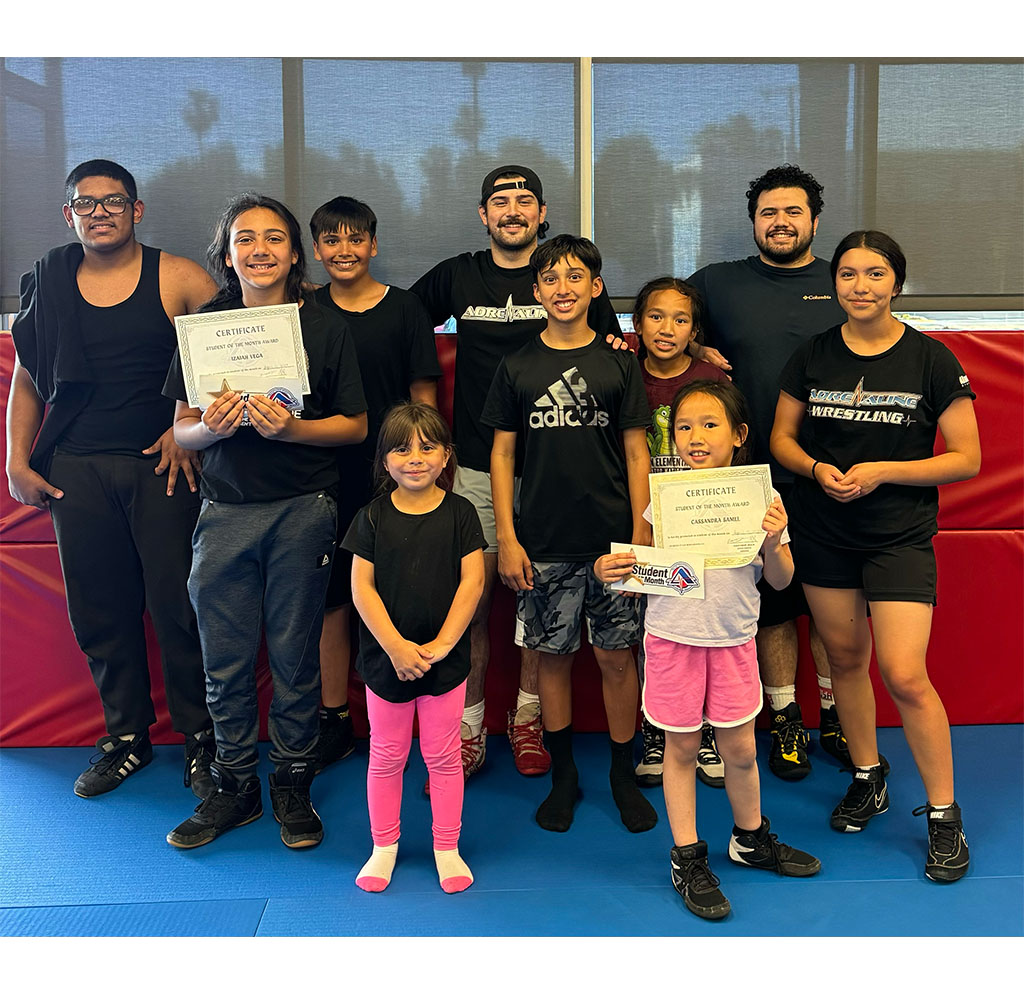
[530, 181]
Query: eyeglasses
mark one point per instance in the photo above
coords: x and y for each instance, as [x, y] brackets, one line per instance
[114, 203]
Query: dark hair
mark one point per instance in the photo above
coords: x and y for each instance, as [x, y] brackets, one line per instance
[216, 254]
[781, 176]
[561, 247]
[734, 404]
[875, 241]
[654, 286]
[532, 184]
[343, 212]
[400, 424]
[100, 167]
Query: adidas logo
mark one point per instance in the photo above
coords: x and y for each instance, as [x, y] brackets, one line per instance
[566, 404]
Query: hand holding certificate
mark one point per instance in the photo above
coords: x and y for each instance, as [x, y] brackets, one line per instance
[255, 350]
[713, 513]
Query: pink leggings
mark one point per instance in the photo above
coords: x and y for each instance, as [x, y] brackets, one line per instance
[441, 746]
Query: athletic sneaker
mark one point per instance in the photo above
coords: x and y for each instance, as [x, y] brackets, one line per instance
[229, 806]
[710, 766]
[948, 856]
[117, 760]
[788, 756]
[867, 797]
[763, 851]
[652, 762]
[831, 738]
[200, 751]
[526, 737]
[336, 738]
[293, 810]
[474, 749]
[695, 883]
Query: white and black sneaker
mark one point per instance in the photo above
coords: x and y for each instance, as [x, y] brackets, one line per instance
[948, 855]
[763, 851]
[695, 883]
[710, 765]
[117, 760]
[867, 796]
[649, 769]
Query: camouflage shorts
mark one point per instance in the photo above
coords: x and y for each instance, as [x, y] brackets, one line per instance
[550, 616]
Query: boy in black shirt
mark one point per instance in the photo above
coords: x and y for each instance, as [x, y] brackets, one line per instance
[394, 341]
[582, 411]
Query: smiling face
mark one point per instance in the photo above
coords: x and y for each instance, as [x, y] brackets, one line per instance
[416, 464]
[666, 326]
[865, 284]
[702, 432]
[102, 231]
[513, 217]
[565, 290]
[783, 226]
[261, 253]
[345, 254]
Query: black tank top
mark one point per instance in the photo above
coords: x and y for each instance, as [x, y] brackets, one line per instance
[128, 347]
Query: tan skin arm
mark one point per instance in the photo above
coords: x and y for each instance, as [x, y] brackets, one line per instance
[778, 560]
[25, 410]
[513, 563]
[638, 469]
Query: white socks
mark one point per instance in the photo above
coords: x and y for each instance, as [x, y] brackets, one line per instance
[779, 697]
[825, 692]
[473, 719]
[376, 872]
[452, 870]
[524, 699]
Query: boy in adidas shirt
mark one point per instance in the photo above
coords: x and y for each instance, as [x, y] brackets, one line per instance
[582, 411]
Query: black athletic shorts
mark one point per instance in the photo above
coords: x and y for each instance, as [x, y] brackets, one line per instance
[788, 604]
[902, 574]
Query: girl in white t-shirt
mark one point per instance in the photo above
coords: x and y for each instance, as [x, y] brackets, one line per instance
[701, 659]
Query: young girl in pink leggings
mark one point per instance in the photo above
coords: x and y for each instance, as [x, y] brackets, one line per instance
[417, 574]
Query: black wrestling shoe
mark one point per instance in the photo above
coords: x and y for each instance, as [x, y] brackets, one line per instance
[117, 760]
[649, 769]
[710, 765]
[301, 827]
[763, 851]
[948, 856]
[231, 805]
[788, 756]
[831, 738]
[200, 751]
[337, 739]
[695, 883]
[867, 796]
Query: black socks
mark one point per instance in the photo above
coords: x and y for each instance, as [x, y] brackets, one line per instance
[634, 809]
[555, 814]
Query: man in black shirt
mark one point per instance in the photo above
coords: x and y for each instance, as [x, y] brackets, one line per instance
[94, 337]
[490, 294]
[758, 310]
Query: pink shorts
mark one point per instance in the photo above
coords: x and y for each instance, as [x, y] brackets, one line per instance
[683, 683]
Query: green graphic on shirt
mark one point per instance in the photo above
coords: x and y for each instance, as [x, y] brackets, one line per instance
[659, 438]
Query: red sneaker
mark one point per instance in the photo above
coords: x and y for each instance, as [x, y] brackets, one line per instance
[526, 736]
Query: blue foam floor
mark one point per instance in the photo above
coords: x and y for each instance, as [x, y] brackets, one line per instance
[74, 867]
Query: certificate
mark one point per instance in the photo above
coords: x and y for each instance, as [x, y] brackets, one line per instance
[715, 513]
[251, 350]
[662, 571]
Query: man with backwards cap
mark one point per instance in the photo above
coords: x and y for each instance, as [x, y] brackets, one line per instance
[490, 294]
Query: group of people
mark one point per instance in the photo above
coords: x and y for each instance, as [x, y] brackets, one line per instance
[242, 519]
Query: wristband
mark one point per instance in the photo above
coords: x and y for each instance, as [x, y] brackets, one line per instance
[813, 468]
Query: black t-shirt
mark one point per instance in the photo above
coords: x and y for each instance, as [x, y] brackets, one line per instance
[417, 568]
[570, 406]
[756, 315]
[248, 468]
[394, 341]
[496, 314]
[875, 408]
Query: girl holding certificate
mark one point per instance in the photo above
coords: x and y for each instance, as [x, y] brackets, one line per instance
[856, 422]
[700, 659]
[264, 542]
